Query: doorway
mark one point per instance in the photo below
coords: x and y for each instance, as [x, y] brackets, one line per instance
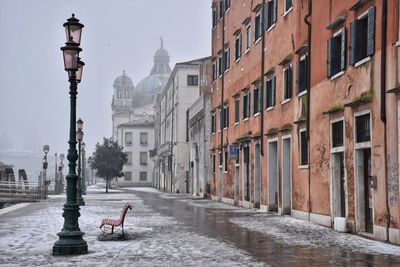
[286, 176]
[364, 191]
[339, 185]
[257, 178]
[272, 175]
[246, 173]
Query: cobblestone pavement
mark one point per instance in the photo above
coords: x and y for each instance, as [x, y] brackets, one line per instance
[179, 230]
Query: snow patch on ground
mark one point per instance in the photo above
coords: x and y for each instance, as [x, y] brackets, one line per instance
[292, 231]
[28, 235]
[144, 189]
[13, 207]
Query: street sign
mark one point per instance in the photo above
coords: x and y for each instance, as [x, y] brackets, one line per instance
[233, 151]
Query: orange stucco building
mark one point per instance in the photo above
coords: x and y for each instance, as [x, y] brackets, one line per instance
[305, 128]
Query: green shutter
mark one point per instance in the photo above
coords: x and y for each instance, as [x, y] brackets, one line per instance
[343, 50]
[371, 31]
[329, 57]
[352, 47]
[274, 10]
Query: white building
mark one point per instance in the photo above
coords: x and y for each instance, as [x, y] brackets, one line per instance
[172, 137]
[133, 120]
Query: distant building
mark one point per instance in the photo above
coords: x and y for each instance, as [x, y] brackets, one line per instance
[133, 119]
[172, 137]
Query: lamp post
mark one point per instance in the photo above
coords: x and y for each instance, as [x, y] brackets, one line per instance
[60, 173]
[46, 149]
[71, 240]
[83, 178]
[79, 137]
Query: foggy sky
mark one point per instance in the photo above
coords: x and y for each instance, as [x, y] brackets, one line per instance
[118, 35]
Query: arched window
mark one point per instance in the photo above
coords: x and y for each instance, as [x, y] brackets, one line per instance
[119, 93]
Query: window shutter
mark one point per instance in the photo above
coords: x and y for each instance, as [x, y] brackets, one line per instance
[343, 50]
[227, 117]
[265, 16]
[371, 31]
[298, 78]
[306, 81]
[273, 91]
[352, 43]
[289, 82]
[274, 9]
[329, 57]
[249, 105]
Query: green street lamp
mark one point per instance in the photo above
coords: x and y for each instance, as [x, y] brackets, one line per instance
[79, 137]
[83, 178]
[71, 240]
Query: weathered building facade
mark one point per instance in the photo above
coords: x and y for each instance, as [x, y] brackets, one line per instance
[329, 154]
[173, 102]
[199, 122]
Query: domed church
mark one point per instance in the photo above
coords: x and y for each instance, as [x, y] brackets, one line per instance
[133, 119]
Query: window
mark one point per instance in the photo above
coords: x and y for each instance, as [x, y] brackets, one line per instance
[362, 37]
[288, 5]
[221, 8]
[303, 147]
[287, 82]
[302, 78]
[363, 129]
[192, 80]
[220, 159]
[238, 46]
[226, 116]
[143, 176]
[226, 58]
[143, 158]
[337, 53]
[214, 71]
[143, 138]
[129, 155]
[226, 160]
[337, 134]
[248, 27]
[237, 109]
[220, 65]
[128, 176]
[270, 13]
[270, 92]
[128, 139]
[213, 163]
[221, 119]
[256, 100]
[257, 27]
[214, 17]
[246, 105]
[213, 123]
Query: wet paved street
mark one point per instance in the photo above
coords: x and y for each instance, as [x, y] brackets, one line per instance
[216, 223]
[181, 230]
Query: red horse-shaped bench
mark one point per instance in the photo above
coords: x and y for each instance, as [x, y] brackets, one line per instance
[114, 223]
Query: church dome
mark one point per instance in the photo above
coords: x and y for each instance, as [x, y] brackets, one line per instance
[145, 90]
[123, 81]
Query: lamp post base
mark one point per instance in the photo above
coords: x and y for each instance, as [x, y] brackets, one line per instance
[70, 243]
[80, 202]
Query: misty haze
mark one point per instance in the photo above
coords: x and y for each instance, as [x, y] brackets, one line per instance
[200, 133]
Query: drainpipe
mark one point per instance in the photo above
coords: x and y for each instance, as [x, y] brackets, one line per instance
[383, 106]
[306, 20]
[222, 94]
[262, 84]
[172, 126]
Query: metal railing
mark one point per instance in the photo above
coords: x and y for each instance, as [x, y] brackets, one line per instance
[22, 192]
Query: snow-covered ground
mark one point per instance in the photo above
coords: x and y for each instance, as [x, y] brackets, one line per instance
[27, 236]
[291, 231]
